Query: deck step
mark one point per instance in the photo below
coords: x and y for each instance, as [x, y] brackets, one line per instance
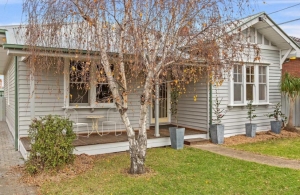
[195, 141]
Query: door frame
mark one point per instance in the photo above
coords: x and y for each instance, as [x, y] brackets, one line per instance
[166, 120]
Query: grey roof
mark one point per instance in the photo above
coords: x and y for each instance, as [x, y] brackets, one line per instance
[296, 39]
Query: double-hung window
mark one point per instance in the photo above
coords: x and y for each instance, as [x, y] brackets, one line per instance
[86, 85]
[249, 83]
[79, 84]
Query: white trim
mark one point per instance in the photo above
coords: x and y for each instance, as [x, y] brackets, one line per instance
[282, 58]
[23, 151]
[287, 39]
[8, 87]
[167, 119]
[12, 52]
[256, 101]
[32, 96]
[66, 82]
[92, 92]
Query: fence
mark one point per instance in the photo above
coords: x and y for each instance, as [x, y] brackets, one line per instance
[286, 107]
[2, 108]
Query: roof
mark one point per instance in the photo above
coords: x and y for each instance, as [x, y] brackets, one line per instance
[297, 40]
[12, 37]
[266, 26]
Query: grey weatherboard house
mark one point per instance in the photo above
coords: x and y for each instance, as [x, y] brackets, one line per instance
[24, 101]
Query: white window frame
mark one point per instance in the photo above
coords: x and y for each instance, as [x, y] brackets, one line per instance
[256, 100]
[92, 91]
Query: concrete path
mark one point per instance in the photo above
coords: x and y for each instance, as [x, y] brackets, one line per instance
[9, 181]
[248, 156]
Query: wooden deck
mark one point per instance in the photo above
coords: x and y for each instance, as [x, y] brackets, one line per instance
[96, 144]
[111, 138]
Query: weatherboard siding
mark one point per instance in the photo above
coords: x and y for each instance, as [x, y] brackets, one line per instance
[193, 113]
[236, 116]
[49, 99]
[9, 92]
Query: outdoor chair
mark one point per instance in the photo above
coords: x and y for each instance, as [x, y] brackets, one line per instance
[73, 116]
[111, 121]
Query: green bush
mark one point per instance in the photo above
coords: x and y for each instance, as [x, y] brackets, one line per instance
[51, 143]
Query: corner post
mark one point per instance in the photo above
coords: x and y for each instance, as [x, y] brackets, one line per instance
[156, 133]
[16, 106]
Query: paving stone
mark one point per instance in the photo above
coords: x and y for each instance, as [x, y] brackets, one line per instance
[9, 182]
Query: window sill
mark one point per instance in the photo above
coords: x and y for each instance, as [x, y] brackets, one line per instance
[254, 104]
[103, 105]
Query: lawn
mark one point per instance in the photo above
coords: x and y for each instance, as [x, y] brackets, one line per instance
[284, 147]
[187, 171]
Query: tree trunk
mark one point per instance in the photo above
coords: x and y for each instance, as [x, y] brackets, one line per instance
[138, 154]
[138, 150]
[290, 124]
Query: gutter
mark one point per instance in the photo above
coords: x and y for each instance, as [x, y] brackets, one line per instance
[53, 49]
[16, 106]
[2, 31]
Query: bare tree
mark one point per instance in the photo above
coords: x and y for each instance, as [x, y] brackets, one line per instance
[151, 40]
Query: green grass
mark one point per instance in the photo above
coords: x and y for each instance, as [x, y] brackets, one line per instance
[285, 147]
[187, 171]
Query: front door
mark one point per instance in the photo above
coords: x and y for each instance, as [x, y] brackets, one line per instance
[164, 104]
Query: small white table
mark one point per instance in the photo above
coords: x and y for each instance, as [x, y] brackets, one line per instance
[95, 119]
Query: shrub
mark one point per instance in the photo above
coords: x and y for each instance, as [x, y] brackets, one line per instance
[219, 113]
[251, 110]
[277, 113]
[51, 143]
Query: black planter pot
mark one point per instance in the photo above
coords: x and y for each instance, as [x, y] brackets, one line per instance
[250, 129]
[177, 137]
[217, 133]
[276, 126]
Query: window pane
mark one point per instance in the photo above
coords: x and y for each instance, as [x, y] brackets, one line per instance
[262, 92]
[250, 74]
[262, 74]
[79, 71]
[262, 70]
[78, 93]
[237, 73]
[103, 94]
[247, 78]
[249, 92]
[262, 78]
[259, 38]
[238, 92]
[79, 82]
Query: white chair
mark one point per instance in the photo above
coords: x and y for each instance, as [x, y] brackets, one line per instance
[73, 116]
[110, 121]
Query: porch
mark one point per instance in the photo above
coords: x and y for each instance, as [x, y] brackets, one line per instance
[95, 144]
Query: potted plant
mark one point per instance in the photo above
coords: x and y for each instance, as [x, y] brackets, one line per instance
[217, 129]
[277, 124]
[176, 134]
[250, 127]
